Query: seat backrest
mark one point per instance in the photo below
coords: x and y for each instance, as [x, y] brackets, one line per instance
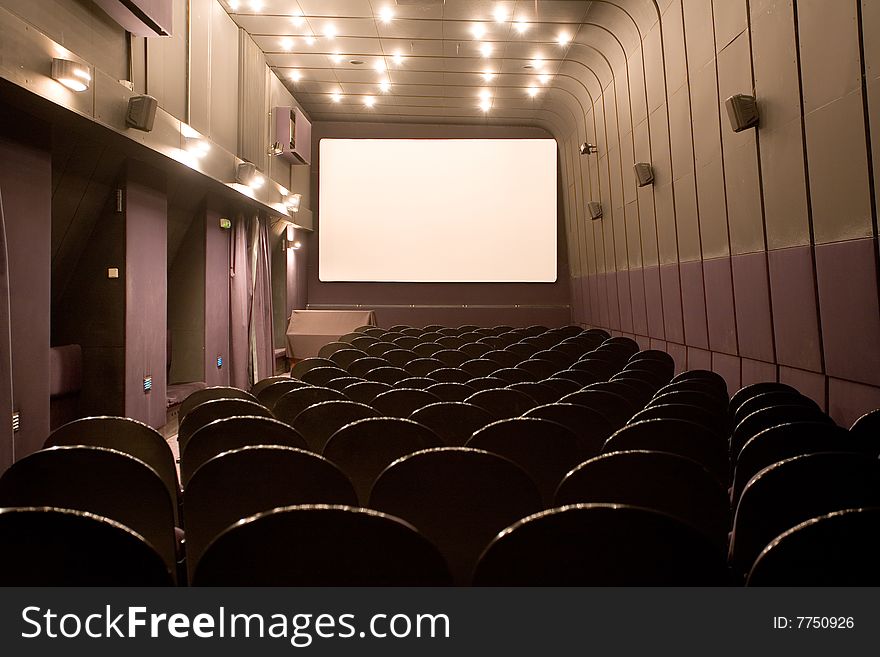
[836, 549]
[400, 357]
[320, 421]
[96, 480]
[693, 441]
[262, 384]
[480, 383]
[319, 376]
[502, 403]
[243, 482]
[561, 386]
[327, 350]
[636, 395]
[540, 392]
[661, 481]
[211, 394]
[95, 551]
[415, 383]
[706, 377]
[231, 433]
[306, 364]
[318, 545]
[387, 374]
[363, 449]
[590, 426]
[459, 498]
[269, 395]
[601, 545]
[613, 406]
[716, 422]
[785, 441]
[362, 365]
[797, 489]
[294, 402]
[450, 375]
[710, 403]
[545, 449]
[401, 402]
[208, 411]
[753, 390]
[345, 357]
[427, 349]
[513, 375]
[541, 368]
[451, 391]
[124, 435]
[756, 422]
[365, 392]
[363, 342]
[769, 400]
[867, 430]
[423, 366]
[453, 422]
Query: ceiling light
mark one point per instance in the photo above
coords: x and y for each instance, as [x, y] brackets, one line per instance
[233, 5]
[521, 26]
[197, 146]
[398, 58]
[486, 49]
[292, 201]
[256, 5]
[386, 14]
[310, 40]
[379, 65]
[298, 20]
[297, 244]
[488, 75]
[485, 93]
[369, 101]
[538, 63]
[478, 30]
[532, 91]
[257, 181]
[287, 43]
[385, 86]
[295, 76]
[73, 75]
[330, 32]
[336, 57]
[485, 105]
[544, 78]
[500, 13]
[563, 38]
[336, 97]
[246, 173]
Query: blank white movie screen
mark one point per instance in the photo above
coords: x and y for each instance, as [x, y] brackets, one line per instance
[444, 210]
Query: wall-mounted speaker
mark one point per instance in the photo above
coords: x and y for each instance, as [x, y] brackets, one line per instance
[742, 110]
[644, 173]
[141, 112]
[588, 149]
[595, 210]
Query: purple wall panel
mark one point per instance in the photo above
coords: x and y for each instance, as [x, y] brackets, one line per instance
[146, 237]
[810, 384]
[679, 355]
[699, 359]
[756, 371]
[729, 367]
[587, 293]
[602, 296]
[654, 302]
[624, 301]
[720, 316]
[847, 277]
[848, 401]
[637, 290]
[693, 304]
[658, 344]
[216, 299]
[795, 317]
[613, 300]
[754, 327]
[26, 187]
[644, 342]
[670, 284]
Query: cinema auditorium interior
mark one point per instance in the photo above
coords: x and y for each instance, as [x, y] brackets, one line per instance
[439, 293]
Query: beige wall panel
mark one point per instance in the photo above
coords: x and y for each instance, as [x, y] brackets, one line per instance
[699, 33]
[730, 21]
[743, 198]
[687, 224]
[712, 209]
[704, 105]
[224, 79]
[648, 226]
[735, 77]
[611, 128]
[653, 60]
[660, 155]
[167, 66]
[829, 45]
[624, 110]
[633, 235]
[785, 191]
[664, 208]
[626, 168]
[774, 54]
[616, 179]
[680, 134]
[673, 47]
[200, 63]
[838, 167]
[637, 97]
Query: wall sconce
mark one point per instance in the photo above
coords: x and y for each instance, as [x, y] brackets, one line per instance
[73, 75]
[595, 209]
[742, 110]
[588, 149]
[644, 173]
[290, 238]
[292, 202]
[197, 146]
[246, 173]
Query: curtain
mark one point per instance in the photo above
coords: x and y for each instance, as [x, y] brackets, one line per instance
[261, 330]
[239, 306]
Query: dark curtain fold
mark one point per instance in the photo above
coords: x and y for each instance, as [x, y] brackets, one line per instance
[239, 305]
[261, 329]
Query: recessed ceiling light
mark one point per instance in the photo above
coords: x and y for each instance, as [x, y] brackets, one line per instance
[256, 5]
[379, 65]
[521, 26]
[298, 20]
[488, 75]
[369, 101]
[478, 30]
[398, 58]
[386, 14]
[563, 38]
[385, 86]
[486, 49]
[287, 43]
[295, 76]
[485, 93]
[336, 97]
[310, 40]
[233, 5]
[330, 32]
[336, 57]
[544, 78]
[500, 13]
[532, 91]
[538, 63]
[485, 105]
